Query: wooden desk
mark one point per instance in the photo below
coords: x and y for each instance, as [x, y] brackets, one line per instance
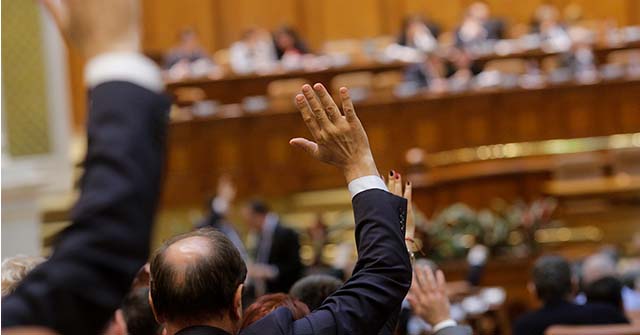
[604, 186]
[254, 148]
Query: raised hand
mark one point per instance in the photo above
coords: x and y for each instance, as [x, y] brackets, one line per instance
[428, 295]
[97, 26]
[338, 139]
[394, 184]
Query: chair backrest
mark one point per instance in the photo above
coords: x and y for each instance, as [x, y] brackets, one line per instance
[510, 65]
[579, 167]
[624, 57]
[632, 329]
[627, 161]
[362, 80]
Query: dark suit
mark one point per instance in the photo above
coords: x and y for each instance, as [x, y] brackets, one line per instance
[77, 290]
[284, 253]
[380, 280]
[566, 313]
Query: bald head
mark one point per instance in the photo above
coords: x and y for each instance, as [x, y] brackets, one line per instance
[194, 277]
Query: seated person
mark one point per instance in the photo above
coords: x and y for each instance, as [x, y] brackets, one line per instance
[134, 317]
[255, 52]
[269, 303]
[418, 34]
[478, 26]
[606, 290]
[429, 73]
[288, 42]
[553, 284]
[188, 58]
[312, 290]
[552, 33]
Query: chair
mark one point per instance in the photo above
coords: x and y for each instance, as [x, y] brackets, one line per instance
[281, 92]
[514, 66]
[633, 329]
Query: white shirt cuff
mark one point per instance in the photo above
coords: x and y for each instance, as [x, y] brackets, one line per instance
[444, 324]
[366, 183]
[124, 66]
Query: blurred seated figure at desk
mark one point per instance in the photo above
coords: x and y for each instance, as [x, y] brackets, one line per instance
[430, 73]
[478, 26]
[188, 58]
[553, 35]
[418, 34]
[255, 52]
[290, 48]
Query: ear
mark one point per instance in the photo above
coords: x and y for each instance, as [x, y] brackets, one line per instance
[237, 302]
[153, 309]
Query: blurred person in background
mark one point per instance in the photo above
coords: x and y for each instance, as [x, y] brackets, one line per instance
[134, 317]
[418, 34]
[429, 73]
[255, 52]
[554, 285]
[15, 269]
[478, 26]
[276, 253]
[602, 265]
[606, 290]
[269, 303]
[313, 289]
[288, 42]
[553, 34]
[218, 208]
[188, 57]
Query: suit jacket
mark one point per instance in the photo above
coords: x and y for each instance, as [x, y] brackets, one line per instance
[379, 283]
[285, 255]
[566, 313]
[96, 258]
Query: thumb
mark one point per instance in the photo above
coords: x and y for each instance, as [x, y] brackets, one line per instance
[309, 146]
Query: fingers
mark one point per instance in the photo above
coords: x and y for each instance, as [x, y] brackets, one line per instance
[394, 184]
[316, 107]
[408, 191]
[307, 116]
[430, 280]
[309, 146]
[347, 106]
[420, 274]
[440, 280]
[329, 105]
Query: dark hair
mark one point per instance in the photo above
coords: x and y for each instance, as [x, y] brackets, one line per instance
[270, 302]
[606, 290]
[137, 313]
[552, 278]
[258, 206]
[312, 290]
[202, 289]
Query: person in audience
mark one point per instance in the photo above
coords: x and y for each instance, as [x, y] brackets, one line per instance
[553, 284]
[255, 52]
[552, 33]
[478, 26]
[270, 302]
[277, 263]
[197, 278]
[96, 258]
[429, 300]
[134, 317]
[188, 49]
[288, 43]
[606, 290]
[631, 290]
[417, 33]
[430, 73]
[15, 269]
[602, 265]
[314, 289]
[218, 208]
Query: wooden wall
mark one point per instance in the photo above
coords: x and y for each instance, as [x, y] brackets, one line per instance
[220, 22]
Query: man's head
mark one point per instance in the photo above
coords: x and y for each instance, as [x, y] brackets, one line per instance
[606, 290]
[14, 270]
[196, 278]
[552, 278]
[312, 290]
[269, 303]
[598, 266]
[255, 213]
[137, 313]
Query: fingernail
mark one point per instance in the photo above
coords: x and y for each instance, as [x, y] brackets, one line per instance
[299, 98]
[391, 173]
[306, 88]
[397, 176]
[317, 86]
[408, 183]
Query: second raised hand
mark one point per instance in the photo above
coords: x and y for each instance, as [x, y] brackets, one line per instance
[338, 139]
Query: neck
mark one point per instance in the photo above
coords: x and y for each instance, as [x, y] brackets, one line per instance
[225, 324]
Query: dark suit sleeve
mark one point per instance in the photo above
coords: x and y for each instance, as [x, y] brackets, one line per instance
[96, 258]
[381, 277]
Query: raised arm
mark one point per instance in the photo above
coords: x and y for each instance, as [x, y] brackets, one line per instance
[97, 257]
[382, 275]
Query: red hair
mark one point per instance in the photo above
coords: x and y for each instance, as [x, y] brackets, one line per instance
[270, 302]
